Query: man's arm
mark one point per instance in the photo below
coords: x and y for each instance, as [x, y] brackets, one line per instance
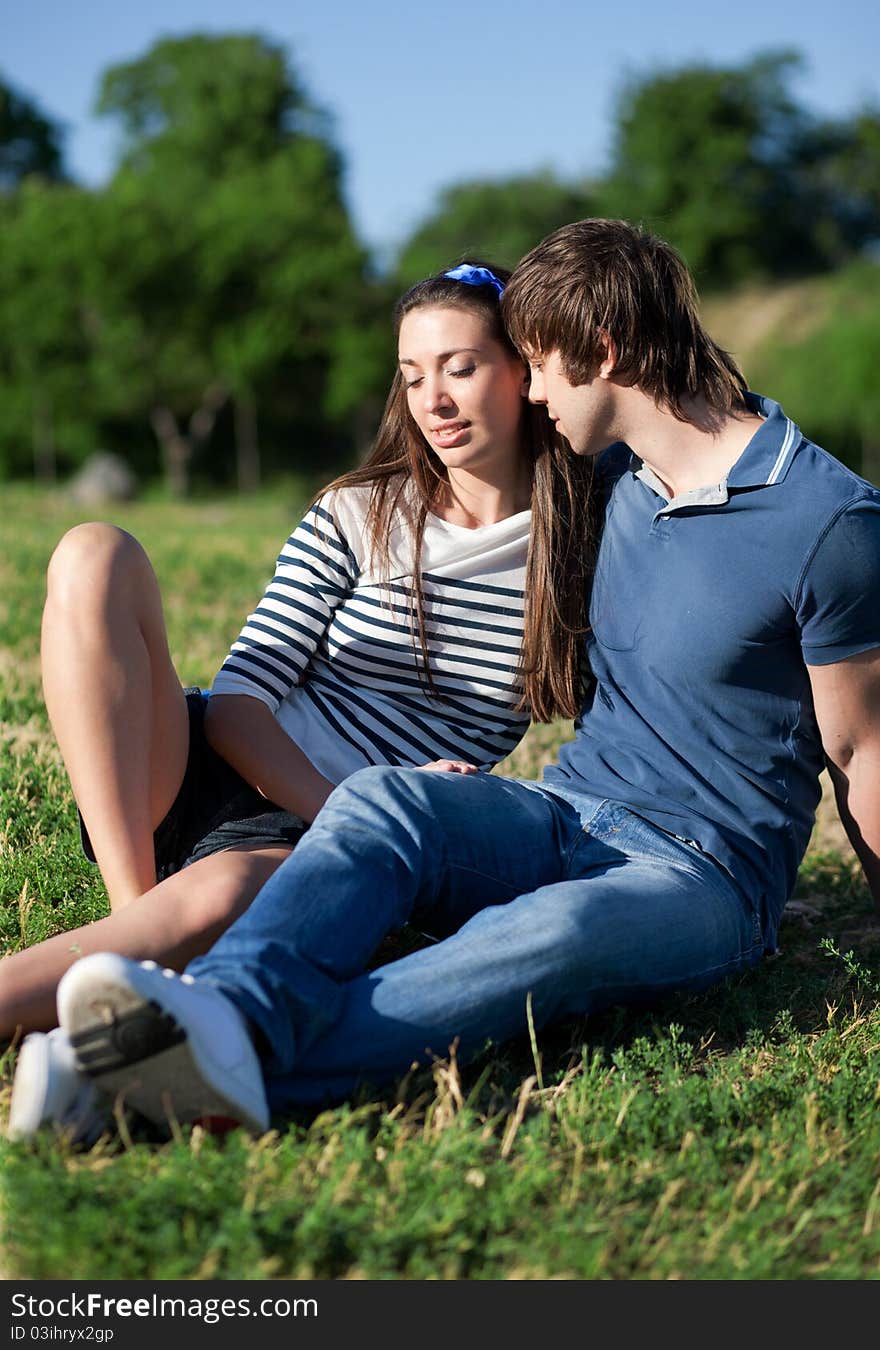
[846, 695]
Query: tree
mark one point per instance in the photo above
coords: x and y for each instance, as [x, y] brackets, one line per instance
[840, 166]
[206, 106]
[149, 355]
[49, 410]
[29, 142]
[498, 220]
[278, 283]
[230, 255]
[727, 165]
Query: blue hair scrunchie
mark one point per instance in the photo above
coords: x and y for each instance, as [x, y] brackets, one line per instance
[475, 276]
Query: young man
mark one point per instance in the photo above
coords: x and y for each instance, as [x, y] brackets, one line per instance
[735, 643]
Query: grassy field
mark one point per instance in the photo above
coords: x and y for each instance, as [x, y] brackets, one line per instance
[733, 1135]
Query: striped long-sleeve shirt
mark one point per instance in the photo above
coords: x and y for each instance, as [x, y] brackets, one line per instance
[330, 646]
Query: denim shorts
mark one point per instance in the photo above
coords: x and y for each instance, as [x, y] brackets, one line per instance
[214, 810]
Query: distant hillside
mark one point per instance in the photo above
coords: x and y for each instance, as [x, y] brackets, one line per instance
[815, 346]
[743, 321]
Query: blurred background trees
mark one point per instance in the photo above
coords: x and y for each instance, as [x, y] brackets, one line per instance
[498, 221]
[29, 142]
[211, 314]
[738, 175]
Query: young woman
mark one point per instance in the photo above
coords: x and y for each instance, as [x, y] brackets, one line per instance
[428, 605]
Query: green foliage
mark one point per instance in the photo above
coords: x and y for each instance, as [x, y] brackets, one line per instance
[823, 368]
[235, 261]
[724, 163]
[45, 346]
[858, 159]
[207, 106]
[211, 313]
[29, 142]
[498, 221]
[840, 173]
[732, 1134]
[217, 274]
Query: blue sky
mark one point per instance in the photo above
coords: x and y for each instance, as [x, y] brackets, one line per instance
[424, 95]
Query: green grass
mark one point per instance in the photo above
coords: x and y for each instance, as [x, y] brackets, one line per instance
[730, 1135]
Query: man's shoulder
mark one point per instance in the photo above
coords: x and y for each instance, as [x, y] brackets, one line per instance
[834, 515]
[831, 487]
[782, 453]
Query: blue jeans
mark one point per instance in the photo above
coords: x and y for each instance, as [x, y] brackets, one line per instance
[578, 903]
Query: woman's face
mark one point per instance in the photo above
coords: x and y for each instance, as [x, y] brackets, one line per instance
[464, 389]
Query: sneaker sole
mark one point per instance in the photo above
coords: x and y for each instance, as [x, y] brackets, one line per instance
[27, 1110]
[136, 1050]
[31, 1106]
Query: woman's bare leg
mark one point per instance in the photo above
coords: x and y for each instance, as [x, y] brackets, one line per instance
[113, 698]
[120, 718]
[173, 923]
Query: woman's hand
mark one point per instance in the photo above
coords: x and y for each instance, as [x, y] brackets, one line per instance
[449, 766]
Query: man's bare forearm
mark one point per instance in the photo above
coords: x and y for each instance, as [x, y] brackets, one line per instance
[857, 792]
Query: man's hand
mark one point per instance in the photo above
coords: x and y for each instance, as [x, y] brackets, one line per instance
[846, 696]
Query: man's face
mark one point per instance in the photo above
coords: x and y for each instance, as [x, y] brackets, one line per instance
[583, 413]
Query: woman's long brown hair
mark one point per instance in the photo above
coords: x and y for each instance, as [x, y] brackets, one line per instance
[406, 477]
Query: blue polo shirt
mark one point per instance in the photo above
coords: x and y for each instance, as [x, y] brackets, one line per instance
[706, 612]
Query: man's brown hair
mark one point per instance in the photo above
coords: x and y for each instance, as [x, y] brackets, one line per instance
[608, 279]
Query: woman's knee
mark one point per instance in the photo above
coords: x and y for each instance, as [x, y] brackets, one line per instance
[92, 557]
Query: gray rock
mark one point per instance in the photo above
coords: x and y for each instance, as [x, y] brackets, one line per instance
[103, 478]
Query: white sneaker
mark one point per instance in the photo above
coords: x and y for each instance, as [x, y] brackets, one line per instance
[48, 1089]
[174, 1048]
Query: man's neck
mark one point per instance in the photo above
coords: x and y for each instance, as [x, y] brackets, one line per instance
[693, 454]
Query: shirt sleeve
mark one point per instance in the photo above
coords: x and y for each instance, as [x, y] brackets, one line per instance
[315, 572]
[838, 605]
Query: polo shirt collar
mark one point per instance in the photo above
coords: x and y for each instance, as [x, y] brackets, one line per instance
[714, 494]
[765, 460]
[768, 456]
